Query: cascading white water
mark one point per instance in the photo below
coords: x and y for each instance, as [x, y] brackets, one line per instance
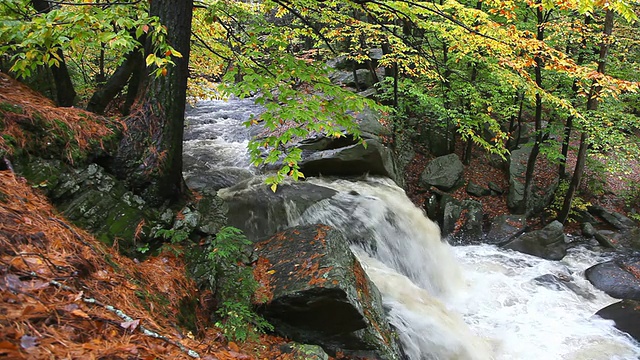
[467, 302]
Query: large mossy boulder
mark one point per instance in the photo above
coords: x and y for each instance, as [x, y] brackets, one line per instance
[619, 278]
[259, 212]
[548, 243]
[540, 197]
[626, 315]
[444, 172]
[92, 199]
[318, 293]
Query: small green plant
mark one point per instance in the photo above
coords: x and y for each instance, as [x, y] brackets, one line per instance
[221, 268]
[577, 205]
[144, 248]
[175, 236]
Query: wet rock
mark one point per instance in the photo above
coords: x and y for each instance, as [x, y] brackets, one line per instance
[477, 190]
[504, 228]
[444, 172]
[260, 212]
[619, 278]
[615, 219]
[212, 179]
[462, 221]
[335, 157]
[319, 294]
[588, 230]
[548, 243]
[562, 282]
[606, 238]
[540, 197]
[626, 315]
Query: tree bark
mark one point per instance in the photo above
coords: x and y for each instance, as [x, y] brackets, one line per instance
[531, 162]
[103, 96]
[150, 154]
[65, 92]
[592, 105]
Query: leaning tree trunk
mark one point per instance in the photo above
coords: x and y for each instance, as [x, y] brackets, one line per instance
[150, 153]
[592, 105]
[65, 93]
[533, 156]
[103, 96]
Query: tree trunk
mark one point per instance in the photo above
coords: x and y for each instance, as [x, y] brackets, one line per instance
[65, 93]
[103, 96]
[531, 162]
[569, 123]
[150, 154]
[592, 105]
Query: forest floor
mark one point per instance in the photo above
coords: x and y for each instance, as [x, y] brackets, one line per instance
[612, 190]
[63, 294]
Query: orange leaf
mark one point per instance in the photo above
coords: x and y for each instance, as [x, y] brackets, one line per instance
[79, 313]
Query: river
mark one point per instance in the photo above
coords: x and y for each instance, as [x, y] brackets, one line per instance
[466, 302]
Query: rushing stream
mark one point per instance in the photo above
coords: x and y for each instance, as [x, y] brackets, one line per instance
[467, 302]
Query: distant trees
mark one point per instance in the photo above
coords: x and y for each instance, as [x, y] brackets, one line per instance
[478, 69]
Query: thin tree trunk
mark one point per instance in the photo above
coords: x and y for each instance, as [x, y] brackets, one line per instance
[592, 105]
[531, 162]
[562, 167]
[65, 92]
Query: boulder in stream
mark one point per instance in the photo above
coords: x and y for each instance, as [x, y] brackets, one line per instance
[318, 293]
[619, 278]
[626, 315]
[259, 212]
[548, 243]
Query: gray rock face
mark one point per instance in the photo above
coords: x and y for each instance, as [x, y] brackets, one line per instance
[462, 221]
[477, 190]
[321, 295]
[363, 78]
[540, 198]
[626, 315]
[546, 243]
[615, 219]
[93, 199]
[259, 212]
[618, 278]
[505, 227]
[355, 159]
[444, 172]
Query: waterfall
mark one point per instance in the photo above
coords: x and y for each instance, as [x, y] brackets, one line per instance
[467, 302]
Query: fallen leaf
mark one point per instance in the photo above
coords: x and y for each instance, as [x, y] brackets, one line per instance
[233, 346]
[80, 313]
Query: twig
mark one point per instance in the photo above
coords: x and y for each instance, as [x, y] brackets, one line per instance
[125, 317]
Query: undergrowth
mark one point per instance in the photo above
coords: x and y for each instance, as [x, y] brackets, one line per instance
[221, 266]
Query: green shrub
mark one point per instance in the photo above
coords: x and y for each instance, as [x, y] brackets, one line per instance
[221, 267]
